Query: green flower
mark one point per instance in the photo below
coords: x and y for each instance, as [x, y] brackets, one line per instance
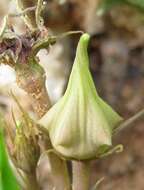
[80, 124]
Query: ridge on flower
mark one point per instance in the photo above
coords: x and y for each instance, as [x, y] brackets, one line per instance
[80, 124]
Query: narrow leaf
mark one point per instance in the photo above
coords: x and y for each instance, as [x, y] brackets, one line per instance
[7, 179]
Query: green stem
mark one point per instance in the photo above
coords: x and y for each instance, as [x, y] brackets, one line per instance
[42, 44]
[50, 40]
[81, 175]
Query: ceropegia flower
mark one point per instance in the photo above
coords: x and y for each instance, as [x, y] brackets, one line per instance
[81, 124]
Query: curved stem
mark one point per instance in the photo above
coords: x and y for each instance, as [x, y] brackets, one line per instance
[81, 175]
[44, 43]
[50, 40]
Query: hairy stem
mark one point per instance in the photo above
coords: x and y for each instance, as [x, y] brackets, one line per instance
[81, 175]
[31, 78]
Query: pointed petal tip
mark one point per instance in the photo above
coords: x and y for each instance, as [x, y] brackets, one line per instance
[85, 37]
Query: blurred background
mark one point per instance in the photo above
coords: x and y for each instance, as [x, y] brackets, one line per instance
[116, 52]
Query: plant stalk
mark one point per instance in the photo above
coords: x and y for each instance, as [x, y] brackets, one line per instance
[57, 172]
[31, 78]
[81, 175]
[129, 122]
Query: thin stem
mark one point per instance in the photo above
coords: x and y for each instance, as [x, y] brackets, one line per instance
[81, 175]
[65, 34]
[22, 13]
[129, 122]
[29, 16]
[97, 183]
[3, 27]
[39, 19]
[42, 44]
[50, 40]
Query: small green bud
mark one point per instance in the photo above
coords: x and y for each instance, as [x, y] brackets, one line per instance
[81, 124]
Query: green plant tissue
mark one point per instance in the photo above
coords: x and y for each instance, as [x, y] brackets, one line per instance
[7, 178]
[106, 5]
[81, 124]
